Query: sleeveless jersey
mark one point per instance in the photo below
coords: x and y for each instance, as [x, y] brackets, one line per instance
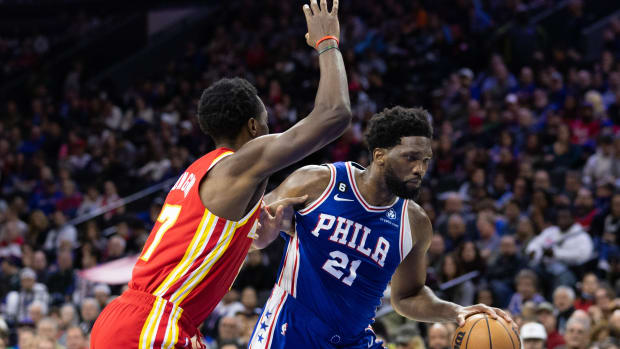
[344, 253]
[192, 256]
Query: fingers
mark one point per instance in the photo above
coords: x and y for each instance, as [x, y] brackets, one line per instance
[293, 201]
[490, 311]
[460, 320]
[324, 6]
[279, 213]
[334, 8]
[307, 12]
[315, 7]
[503, 314]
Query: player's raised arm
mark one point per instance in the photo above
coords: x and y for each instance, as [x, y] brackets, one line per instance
[409, 295]
[328, 120]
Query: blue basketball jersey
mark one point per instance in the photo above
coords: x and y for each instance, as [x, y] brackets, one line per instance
[344, 252]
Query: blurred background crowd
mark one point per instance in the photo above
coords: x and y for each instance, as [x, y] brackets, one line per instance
[523, 190]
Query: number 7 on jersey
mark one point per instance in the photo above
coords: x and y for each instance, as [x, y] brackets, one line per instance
[167, 217]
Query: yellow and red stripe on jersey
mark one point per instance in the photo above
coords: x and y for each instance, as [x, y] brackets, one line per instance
[196, 258]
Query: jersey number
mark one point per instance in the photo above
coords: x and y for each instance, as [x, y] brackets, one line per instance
[341, 261]
[167, 217]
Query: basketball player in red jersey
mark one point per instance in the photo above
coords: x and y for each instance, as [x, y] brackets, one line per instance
[210, 217]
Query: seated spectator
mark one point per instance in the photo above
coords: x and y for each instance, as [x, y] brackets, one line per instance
[438, 337]
[489, 238]
[563, 300]
[545, 315]
[61, 283]
[604, 300]
[436, 251]
[17, 302]
[606, 231]
[116, 248]
[533, 335]
[9, 276]
[25, 337]
[455, 232]
[48, 328]
[585, 211]
[102, 294]
[501, 269]
[39, 265]
[37, 310]
[462, 293]
[249, 301]
[577, 334]
[469, 258]
[588, 287]
[68, 318]
[527, 290]
[560, 246]
[63, 234]
[89, 311]
[229, 329]
[599, 165]
[76, 338]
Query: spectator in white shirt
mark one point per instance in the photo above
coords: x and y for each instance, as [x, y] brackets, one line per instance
[566, 242]
[17, 302]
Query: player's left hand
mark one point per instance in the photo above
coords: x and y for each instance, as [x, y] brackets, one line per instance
[278, 215]
[465, 312]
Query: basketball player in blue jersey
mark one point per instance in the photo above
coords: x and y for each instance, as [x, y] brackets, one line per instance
[358, 230]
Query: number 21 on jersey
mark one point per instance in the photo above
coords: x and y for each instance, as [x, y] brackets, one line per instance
[167, 218]
[341, 261]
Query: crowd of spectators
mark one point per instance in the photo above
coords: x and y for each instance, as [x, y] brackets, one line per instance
[26, 44]
[523, 191]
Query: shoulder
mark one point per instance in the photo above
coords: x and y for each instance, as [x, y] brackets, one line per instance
[309, 180]
[310, 176]
[421, 227]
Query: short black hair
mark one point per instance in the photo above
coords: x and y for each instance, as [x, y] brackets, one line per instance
[226, 106]
[386, 128]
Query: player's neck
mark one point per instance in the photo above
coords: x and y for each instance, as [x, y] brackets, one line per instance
[233, 144]
[373, 188]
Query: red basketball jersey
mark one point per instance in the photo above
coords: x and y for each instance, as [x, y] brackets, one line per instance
[192, 257]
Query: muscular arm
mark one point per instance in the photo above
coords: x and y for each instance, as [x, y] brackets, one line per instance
[240, 174]
[409, 296]
[330, 117]
[308, 181]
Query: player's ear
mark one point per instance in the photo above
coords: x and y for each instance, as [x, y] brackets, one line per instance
[378, 156]
[253, 127]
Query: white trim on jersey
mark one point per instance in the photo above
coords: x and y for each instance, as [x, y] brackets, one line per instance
[290, 269]
[324, 195]
[368, 207]
[273, 307]
[405, 243]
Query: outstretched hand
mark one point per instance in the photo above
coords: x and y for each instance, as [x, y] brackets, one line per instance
[321, 22]
[277, 216]
[465, 312]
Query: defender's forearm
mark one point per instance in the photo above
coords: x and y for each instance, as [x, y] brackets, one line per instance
[333, 91]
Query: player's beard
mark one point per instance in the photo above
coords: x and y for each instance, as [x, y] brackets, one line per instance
[398, 187]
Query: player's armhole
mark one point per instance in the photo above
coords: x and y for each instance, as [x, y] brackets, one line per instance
[324, 195]
[406, 240]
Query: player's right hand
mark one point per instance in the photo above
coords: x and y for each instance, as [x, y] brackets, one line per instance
[321, 22]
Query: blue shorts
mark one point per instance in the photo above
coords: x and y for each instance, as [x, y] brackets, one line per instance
[287, 324]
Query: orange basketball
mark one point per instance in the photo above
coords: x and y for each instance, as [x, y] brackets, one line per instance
[481, 332]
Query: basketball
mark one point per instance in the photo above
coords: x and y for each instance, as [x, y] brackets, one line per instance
[480, 331]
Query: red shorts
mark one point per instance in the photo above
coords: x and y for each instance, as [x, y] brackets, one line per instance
[141, 320]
